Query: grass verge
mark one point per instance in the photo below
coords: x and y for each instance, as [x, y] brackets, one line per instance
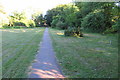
[19, 47]
[93, 56]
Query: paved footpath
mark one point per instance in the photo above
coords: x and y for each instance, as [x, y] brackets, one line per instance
[45, 64]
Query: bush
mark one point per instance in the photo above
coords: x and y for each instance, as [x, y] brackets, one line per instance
[19, 24]
[18, 27]
[6, 26]
[94, 22]
[69, 32]
[12, 27]
[73, 31]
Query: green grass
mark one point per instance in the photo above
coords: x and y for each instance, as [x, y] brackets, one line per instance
[19, 47]
[0, 55]
[93, 56]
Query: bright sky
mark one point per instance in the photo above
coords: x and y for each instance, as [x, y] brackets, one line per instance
[43, 5]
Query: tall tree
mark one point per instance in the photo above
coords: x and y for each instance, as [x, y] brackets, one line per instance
[38, 18]
[17, 18]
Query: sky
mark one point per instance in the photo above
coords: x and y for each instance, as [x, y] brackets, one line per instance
[19, 5]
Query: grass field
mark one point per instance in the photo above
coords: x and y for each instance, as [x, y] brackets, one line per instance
[0, 55]
[93, 56]
[19, 47]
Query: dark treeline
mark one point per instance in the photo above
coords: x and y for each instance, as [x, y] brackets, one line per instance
[101, 17]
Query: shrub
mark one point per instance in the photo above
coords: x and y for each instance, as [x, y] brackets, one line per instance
[19, 24]
[6, 26]
[17, 27]
[73, 31]
[69, 32]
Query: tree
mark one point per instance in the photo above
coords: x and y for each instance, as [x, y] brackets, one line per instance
[94, 22]
[89, 11]
[38, 18]
[2, 9]
[18, 16]
[64, 13]
[20, 19]
[3, 17]
[95, 16]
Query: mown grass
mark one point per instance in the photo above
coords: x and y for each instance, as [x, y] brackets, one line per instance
[93, 56]
[0, 55]
[19, 47]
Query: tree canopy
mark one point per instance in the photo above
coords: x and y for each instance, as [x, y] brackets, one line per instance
[102, 17]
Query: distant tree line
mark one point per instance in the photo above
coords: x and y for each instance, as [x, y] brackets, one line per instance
[101, 17]
[19, 19]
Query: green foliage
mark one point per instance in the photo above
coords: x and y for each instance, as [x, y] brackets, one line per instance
[91, 16]
[30, 23]
[73, 31]
[17, 19]
[78, 19]
[85, 7]
[69, 32]
[3, 17]
[20, 19]
[38, 19]
[36, 14]
[71, 19]
[114, 28]
[18, 16]
[61, 25]
[25, 23]
[94, 22]
[54, 22]
[19, 24]
[62, 13]
[57, 11]
[18, 27]
[97, 16]
[58, 22]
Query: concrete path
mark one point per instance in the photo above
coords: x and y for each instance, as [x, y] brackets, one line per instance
[45, 64]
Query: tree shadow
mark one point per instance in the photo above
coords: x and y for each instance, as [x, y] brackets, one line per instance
[44, 70]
